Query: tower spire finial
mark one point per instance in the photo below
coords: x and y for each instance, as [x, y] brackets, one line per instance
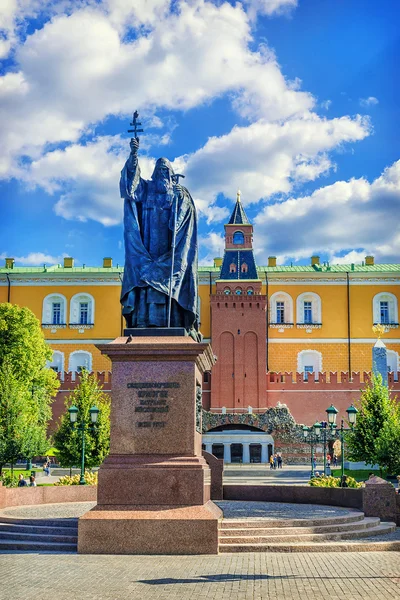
[238, 193]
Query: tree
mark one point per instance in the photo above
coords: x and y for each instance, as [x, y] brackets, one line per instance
[68, 440]
[388, 444]
[375, 424]
[26, 384]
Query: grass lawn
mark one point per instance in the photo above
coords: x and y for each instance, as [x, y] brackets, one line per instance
[361, 475]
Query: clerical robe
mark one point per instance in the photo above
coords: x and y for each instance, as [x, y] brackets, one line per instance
[148, 229]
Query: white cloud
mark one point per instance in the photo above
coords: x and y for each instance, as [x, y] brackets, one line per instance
[347, 215]
[211, 246]
[326, 104]
[262, 159]
[370, 101]
[77, 69]
[35, 259]
[269, 7]
[86, 178]
[268, 158]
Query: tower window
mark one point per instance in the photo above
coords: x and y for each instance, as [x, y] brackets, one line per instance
[232, 268]
[238, 237]
[280, 312]
[244, 268]
[250, 291]
[227, 290]
[238, 291]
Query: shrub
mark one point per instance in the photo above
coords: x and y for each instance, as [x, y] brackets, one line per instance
[333, 482]
[9, 479]
[90, 478]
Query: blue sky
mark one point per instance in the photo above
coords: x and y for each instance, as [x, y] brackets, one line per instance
[295, 102]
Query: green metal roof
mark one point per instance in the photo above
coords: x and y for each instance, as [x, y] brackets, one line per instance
[351, 268]
[384, 268]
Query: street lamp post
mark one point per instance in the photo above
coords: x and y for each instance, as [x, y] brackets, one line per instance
[352, 418]
[73, 416]
[312, 436]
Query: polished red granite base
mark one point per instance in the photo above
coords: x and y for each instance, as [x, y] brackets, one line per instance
[150, 530]
[152, 492]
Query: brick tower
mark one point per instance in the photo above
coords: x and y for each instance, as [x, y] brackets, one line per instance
[238, 323]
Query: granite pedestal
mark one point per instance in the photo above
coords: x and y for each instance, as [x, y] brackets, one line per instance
[152, 497]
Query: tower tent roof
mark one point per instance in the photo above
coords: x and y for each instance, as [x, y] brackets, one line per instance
[238, 217]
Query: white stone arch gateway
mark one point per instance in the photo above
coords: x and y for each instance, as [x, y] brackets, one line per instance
[239, 445]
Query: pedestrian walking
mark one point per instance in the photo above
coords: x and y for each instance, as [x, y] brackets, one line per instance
[279, 457]
[334, 460]
[314, 463]
[271, 462]
[275, 461]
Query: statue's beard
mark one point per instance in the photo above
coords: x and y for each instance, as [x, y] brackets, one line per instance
[162, 185]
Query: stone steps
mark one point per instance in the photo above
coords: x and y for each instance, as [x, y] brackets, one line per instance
[34, 535]
[30, 546]
[379, 529]
[352, 532]
[40, 529]
[364, 524]
[254, 523]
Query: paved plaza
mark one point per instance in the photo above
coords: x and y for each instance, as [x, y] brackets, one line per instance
[236, 576]
[374, 575]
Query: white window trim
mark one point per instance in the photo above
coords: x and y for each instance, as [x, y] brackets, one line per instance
[281, 297]
[74, 310]
[316, 308]
[396, 360]
[49, 363]
[47, 311]
[393, 308]
[88, 354]
[318, 355]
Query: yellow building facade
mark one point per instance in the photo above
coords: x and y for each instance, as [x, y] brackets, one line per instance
[319, 315]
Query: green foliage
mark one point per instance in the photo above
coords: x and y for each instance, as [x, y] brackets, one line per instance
[68, 439]
[9, 479]
[376, 426]
[333, 482]
[90, 478]
[26, 385]
[387, 445]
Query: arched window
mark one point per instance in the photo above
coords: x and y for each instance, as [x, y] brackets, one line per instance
[281, 308]
[82, 310]
[244, 268]
[250, 291]
[78, 360]
[238, 237]
[385, 309]
[308, 308]
[227, 290]
[54, 311]
[57, 362]
[232, 268]
[309, 361]
[238, 291]
[393, 363]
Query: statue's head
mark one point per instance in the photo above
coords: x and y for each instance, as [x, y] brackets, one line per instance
[162, 174]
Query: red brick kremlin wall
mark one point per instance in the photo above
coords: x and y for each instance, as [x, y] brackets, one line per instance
[306, 400]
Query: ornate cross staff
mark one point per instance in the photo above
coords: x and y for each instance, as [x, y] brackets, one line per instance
[135, 124]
